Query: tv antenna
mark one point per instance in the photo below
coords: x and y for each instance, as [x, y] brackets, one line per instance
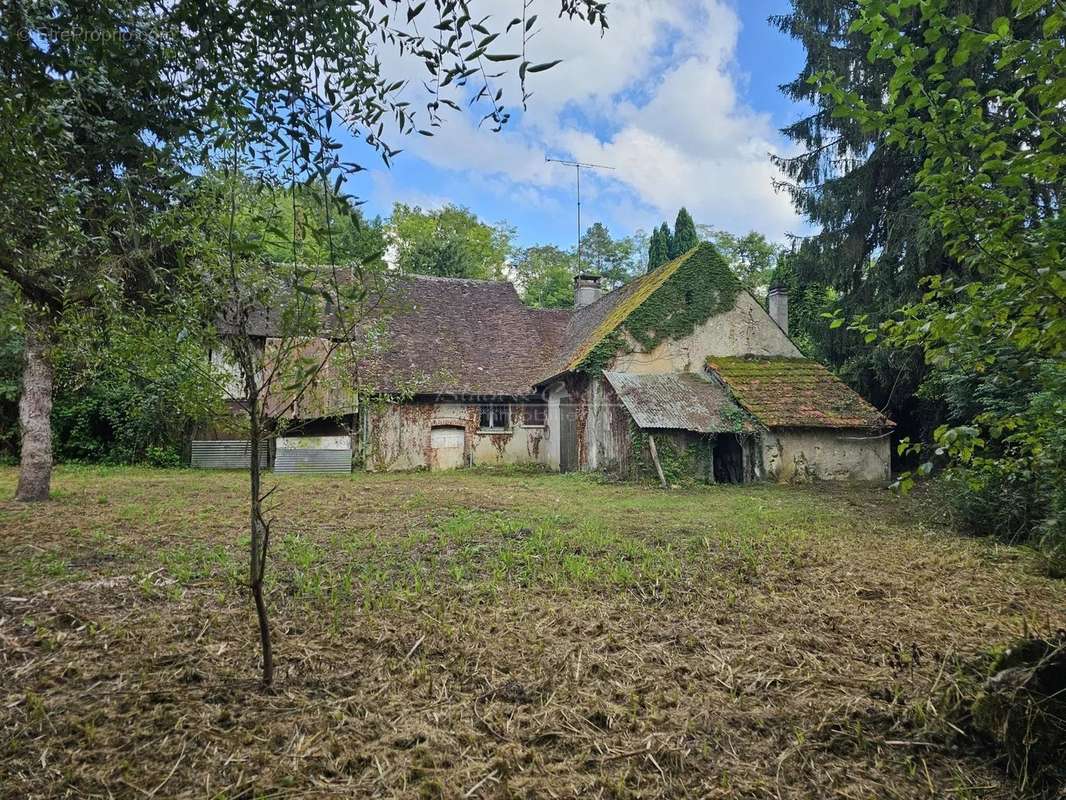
[578, 166]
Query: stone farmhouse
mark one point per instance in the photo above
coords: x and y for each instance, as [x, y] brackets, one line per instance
[680, 371]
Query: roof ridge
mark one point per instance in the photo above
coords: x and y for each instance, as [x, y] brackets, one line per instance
[420, 276]
[641, 289]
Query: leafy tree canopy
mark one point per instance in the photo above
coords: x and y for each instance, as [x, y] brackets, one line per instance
[752, 257]
[990, 184]
[614, 260]
[449, 242]
[544, 275]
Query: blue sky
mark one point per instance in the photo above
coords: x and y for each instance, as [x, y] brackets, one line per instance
[680, 96]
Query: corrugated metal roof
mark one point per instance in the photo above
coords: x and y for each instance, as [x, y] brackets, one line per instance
[679, 401]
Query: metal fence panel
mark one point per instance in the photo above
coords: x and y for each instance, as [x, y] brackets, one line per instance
[308, 461]
[227, 454]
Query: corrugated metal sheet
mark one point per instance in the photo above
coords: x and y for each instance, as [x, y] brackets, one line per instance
[226, 454]
[680, 402]
[305, 460]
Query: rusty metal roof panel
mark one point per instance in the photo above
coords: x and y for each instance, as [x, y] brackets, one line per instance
[679, 401]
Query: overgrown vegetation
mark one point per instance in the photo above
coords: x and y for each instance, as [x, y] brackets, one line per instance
[976, 102]
[700, 288]
[681, 465]
[1012, 701]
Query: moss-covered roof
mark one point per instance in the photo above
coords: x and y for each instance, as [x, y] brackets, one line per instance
[592, 324]
[795, 393]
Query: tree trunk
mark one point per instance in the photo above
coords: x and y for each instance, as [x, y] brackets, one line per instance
[260, 531]
[35, 414]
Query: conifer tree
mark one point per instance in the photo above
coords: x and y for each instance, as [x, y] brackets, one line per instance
[656, 250]
[659, 247]
[685, 236]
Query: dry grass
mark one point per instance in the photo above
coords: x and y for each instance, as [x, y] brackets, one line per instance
[492, 635]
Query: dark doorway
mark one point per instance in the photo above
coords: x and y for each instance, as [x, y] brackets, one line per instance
[567, 435]
[728, 459]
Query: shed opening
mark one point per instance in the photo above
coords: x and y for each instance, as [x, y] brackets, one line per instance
[728, 459]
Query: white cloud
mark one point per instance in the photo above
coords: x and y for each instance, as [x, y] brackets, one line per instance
[656, 98]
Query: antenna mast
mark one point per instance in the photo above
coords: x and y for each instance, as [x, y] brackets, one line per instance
[578, 166]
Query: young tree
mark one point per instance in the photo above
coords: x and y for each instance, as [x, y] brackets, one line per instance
[684, 237]
[449, 242]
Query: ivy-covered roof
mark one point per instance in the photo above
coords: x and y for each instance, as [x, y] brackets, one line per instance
[795, 393]
[700, 285]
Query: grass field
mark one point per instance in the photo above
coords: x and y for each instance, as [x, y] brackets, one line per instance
[493, 634]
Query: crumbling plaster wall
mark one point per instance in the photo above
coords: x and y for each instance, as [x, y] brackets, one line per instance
[801, 455]
[606, 429]
[745, 330]
[400, 436]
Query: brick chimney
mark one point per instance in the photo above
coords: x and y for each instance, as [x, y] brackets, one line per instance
[586, 289]
[778, 306]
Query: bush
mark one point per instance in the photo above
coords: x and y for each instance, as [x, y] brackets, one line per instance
[994, 500]
[1016, 506]
[1014, 703]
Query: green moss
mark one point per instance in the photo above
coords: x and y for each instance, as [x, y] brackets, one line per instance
[696, 287]
[701, 287]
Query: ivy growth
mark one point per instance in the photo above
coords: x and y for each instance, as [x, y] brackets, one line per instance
[681, 465]
[698, 286]
[601, 356]
[701, 287]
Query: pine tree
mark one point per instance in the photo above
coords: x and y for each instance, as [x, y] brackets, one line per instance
[685, 236]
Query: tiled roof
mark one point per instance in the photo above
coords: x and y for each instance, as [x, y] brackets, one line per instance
[680, 402]
[796, 393]
[453, 335]
[589, 325]
[449, 336]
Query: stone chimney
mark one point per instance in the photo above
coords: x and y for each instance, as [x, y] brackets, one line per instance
[779, 306]
[586, 290]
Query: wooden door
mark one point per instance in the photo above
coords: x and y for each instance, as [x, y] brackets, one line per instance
[567, 436]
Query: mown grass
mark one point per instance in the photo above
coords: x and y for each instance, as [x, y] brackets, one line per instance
[570, 637]
[549, 532]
